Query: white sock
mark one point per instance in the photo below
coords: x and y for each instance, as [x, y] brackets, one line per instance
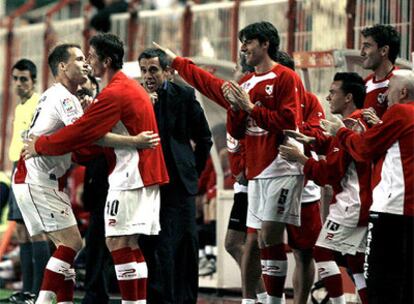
[46, 297]
[262, 297]
[248, 301]
[65, 303]
[201, 253]
[338, 300]
[274, 300]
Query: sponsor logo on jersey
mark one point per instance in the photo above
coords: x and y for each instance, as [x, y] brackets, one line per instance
[253, 129]
[232, 144]
[246, 86]
[68, 106]
[251, 126]
[269, 89]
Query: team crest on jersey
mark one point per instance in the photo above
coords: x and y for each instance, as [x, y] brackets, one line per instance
[269, 89]
[381, 98]
[68, 106]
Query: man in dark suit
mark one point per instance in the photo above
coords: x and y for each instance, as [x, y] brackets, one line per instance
[186, 142]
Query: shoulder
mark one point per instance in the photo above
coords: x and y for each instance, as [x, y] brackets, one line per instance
[180, 88]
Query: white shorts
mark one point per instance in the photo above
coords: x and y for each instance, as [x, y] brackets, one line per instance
[43, 209]
[346, 240]
[136, 211]
[275, 200]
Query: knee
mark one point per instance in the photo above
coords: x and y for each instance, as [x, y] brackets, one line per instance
[233, 248]
[115, 243]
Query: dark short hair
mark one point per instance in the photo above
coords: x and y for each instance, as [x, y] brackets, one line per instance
[26, 65]
[154, 53]
[353, 84]
[60, 54]
[109, 46]
[385, 35]
[262, 31]
[284, 59]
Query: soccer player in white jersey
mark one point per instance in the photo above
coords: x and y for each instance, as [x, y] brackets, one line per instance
[38, 182]
[133, 200]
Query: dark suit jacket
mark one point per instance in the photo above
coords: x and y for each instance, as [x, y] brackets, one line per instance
[183, 121]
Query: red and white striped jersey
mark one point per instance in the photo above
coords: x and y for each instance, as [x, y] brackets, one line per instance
[351, 182]
[122, 107]
[375, 90]
[390, 145]
[276, 95]
[57, 108]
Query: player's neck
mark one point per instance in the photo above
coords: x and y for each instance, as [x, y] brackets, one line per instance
[265, 65]
[109, 74]
[25, 98]
[383, 70]
[348, 111]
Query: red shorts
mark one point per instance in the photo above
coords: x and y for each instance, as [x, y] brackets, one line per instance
[305, 236]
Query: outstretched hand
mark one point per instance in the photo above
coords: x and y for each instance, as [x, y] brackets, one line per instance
[167, 51]
[292, 153]
[302, 138]
[332, 126]
[29, 150]
[370, 116]
[236, 96]
[146, 140]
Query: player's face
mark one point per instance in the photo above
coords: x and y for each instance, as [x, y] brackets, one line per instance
[23, 83]
[153, 74]
[96, 65]
[254, 51]
[370, 53]
[336, 98]
[76, 69]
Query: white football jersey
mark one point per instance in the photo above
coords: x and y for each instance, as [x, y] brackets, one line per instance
[57, 108]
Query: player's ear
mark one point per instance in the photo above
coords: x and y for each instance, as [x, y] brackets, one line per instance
[107, 62]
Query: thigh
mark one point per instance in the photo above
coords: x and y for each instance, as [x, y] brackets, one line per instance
[238, 214]
[282, 199]
[346, 240]
[130, 212]
[305, 236]
[385, 266]
[43, 209]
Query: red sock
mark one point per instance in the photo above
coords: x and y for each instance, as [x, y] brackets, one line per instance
[54, 275]
[126, 272]
[329, 271]
[356, 264]
[142, 274]
[65, 294]
[274, 268]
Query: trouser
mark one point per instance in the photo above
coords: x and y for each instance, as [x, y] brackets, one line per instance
[389, 259]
